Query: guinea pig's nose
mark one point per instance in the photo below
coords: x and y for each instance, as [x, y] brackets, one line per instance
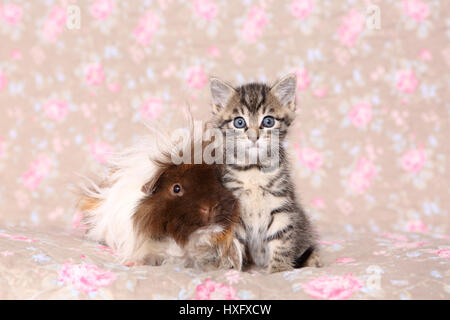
[205, 210]
[207, 214]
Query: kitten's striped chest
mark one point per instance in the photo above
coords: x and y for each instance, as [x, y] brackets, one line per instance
[252, 188]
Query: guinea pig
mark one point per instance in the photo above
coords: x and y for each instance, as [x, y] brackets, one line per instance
[188, 204]
[152, 211]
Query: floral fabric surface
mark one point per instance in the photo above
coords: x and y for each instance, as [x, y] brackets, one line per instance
[61, 265]
[370, 150]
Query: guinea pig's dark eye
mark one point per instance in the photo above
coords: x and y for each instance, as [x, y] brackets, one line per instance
[268, 122]
[177, 190]
[239, 123]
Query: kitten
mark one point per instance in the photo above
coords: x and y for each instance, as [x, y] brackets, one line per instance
[274, 231]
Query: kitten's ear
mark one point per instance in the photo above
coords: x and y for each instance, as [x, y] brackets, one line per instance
[221, 93]
[284, 90]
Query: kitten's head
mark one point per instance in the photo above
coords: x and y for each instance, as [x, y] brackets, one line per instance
[253, 112]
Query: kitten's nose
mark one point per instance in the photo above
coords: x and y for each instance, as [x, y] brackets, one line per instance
[253, 135]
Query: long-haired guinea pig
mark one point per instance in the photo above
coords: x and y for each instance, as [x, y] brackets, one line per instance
[152, 211]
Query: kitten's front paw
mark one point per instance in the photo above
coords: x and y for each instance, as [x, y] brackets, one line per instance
[314, 260]
[273, 268]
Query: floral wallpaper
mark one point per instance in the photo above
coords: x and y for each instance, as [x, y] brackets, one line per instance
[369, 145]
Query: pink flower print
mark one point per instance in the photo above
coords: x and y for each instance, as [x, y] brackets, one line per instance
[94, 74]
[206, 9]
[254, 24]
[197, 78]
[446, 55]
[409, 245]
[85, 277]
[320, 92]
[54, 24]
[413, 160]
[416, 9]
[301, 8]
[38, 170]
[17, 237]
[3, 80]
[425, 55]
[237, 55]
[394, 237]
[333, 287]
[114, 87]
[380, 253]
[329, 243]
[100, 151]
[147, 26]
[59, 144]
[2, 147]
[352, 26]
[151, 109]
[56, 109]
[77, 221]
[6, 253]
[233, 276]
[361, 177]
[365, 167]
[361, 114]
[11, 13]
[318, 203]
[344, 206]
[345, 260]
[342, 56]
[214, 51]
[169, 71]
[303, 80]
[443, 253]
[16, 55]
[406, 81]
[107, 249]
[310, 158]
[211, 290]
[416, 226]
[101, 9]
[58, 212]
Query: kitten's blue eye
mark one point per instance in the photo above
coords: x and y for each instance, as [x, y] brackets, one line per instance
[268, 122]
[239, 122]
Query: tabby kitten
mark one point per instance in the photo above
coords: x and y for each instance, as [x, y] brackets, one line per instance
[274, 231]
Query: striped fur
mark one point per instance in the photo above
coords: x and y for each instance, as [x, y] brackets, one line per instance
[274, 230]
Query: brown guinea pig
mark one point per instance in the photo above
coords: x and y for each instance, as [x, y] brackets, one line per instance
[152, 211]
[188, 204]
[184, 199]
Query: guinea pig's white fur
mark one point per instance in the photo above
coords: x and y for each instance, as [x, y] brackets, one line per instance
[117, 196]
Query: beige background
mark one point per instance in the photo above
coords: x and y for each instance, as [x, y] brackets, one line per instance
[38, 70]
[370, 143]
